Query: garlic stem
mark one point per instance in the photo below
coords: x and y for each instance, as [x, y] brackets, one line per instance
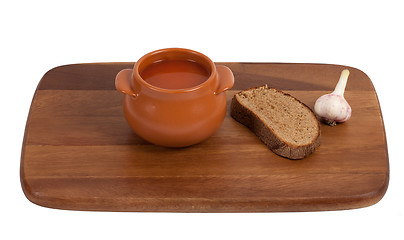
[340, 88]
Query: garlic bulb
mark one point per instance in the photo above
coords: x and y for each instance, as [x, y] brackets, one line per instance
[332, 107]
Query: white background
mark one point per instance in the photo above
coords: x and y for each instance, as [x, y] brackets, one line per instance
[36, 36]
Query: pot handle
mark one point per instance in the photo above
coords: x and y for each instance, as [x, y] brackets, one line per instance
[226, 79]
[123, 82]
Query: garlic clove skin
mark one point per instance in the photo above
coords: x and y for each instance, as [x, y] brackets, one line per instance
[332, 107]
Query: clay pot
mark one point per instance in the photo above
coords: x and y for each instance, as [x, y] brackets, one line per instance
[174, 117]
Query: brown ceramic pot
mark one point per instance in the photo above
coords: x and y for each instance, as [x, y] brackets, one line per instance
[175, 117]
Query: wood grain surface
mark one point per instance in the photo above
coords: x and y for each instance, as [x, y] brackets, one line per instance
[79, 154]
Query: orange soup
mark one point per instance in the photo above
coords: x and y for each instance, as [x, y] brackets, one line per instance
[175, 74]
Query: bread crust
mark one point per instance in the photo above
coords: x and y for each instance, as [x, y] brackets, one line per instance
[266, 134]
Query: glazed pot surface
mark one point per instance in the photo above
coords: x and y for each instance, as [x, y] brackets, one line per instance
[170, 116]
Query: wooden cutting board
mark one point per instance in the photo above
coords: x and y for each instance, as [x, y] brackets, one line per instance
[79, 153]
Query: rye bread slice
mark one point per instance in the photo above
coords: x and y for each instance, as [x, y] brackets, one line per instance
[285, 124]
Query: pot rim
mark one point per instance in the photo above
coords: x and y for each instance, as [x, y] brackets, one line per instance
[136, 73]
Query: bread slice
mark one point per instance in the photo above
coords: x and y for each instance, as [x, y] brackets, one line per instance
[286, 125]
